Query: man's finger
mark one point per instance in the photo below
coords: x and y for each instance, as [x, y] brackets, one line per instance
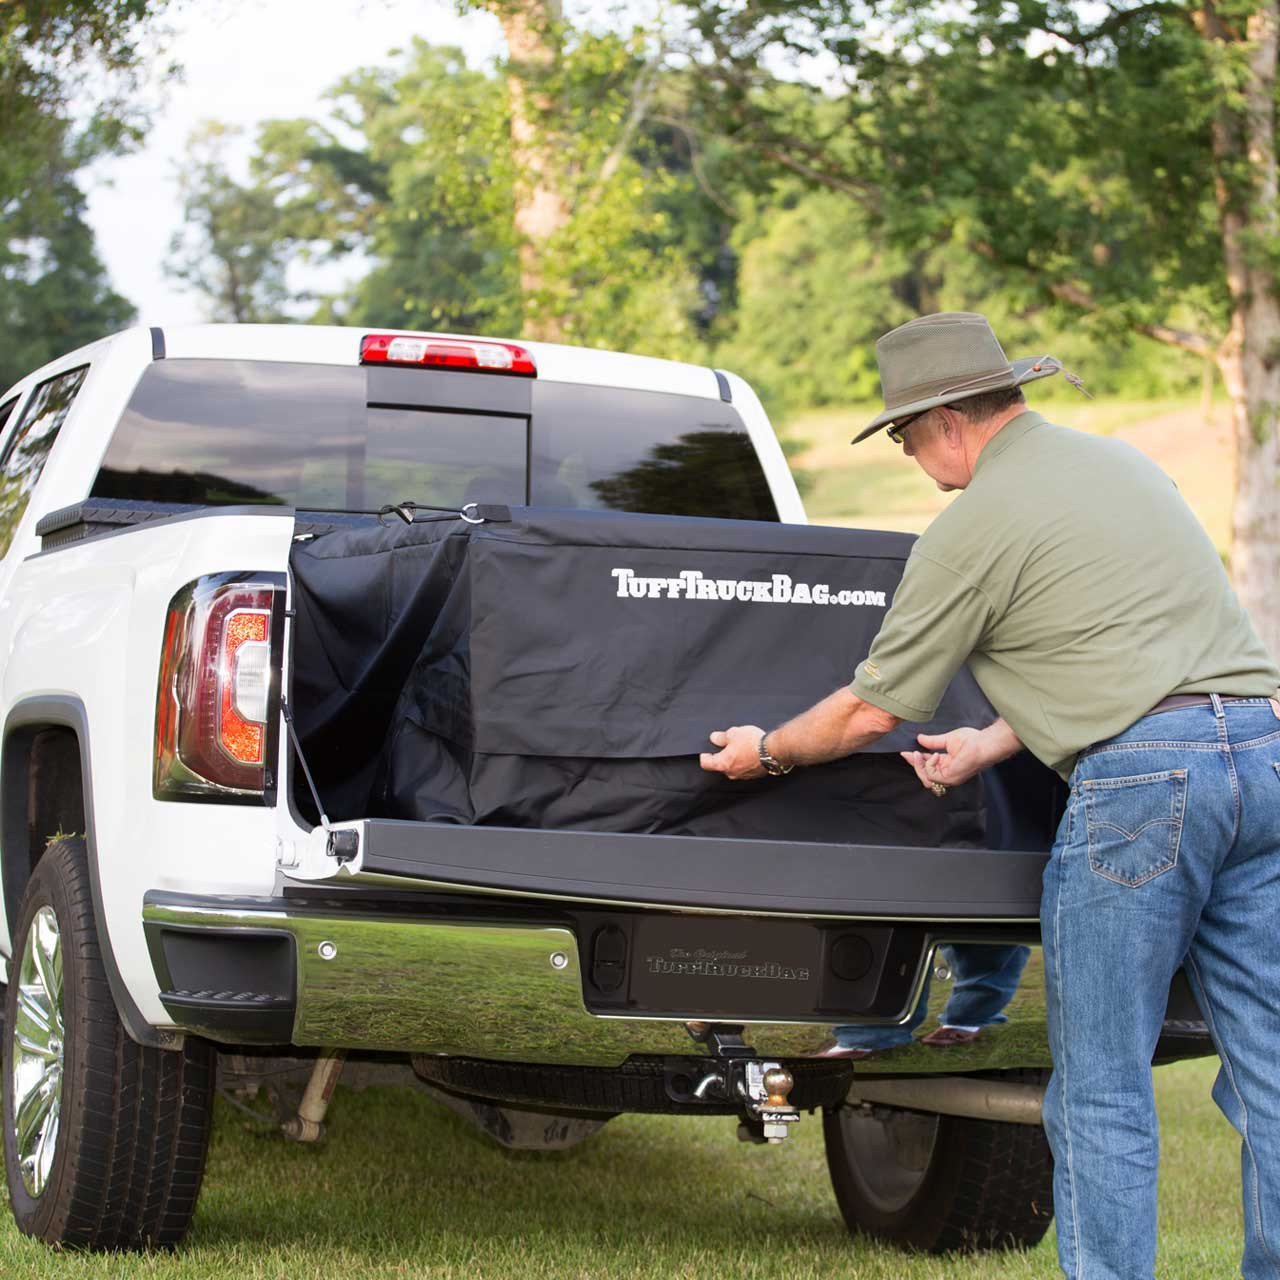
[720, 738]
[713, 761]
[932, 741]
[916, 760]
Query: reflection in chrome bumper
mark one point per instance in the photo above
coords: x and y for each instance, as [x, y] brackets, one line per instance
[512, 992]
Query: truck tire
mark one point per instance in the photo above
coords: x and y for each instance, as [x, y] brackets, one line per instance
[940, 1183]
[104, 1140]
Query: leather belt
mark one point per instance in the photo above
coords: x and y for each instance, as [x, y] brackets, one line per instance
[1176, 701]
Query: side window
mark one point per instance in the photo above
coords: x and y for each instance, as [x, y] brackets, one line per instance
[28, 448]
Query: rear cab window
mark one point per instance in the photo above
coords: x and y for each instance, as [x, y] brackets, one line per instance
[28, 446]
[314, 437]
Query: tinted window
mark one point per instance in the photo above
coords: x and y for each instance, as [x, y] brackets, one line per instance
[226, 432]
[219, 432]
[5, 410]
[28, 449]
[601, 447]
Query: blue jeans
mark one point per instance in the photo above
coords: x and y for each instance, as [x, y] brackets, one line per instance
[985, 979]
[1169, 852]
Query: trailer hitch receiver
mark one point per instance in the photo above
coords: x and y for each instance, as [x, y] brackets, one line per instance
[759, 1087]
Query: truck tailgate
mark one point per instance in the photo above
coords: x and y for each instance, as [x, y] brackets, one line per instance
[710, 874]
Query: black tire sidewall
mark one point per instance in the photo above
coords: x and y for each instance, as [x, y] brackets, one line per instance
[56, 873]
[910, 1225]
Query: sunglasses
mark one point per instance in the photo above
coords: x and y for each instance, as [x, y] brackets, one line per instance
[897, 431]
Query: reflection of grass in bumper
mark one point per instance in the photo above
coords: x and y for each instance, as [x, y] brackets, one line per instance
[488, 990]
[479, 991]
[1020, 1042]
[409, 986]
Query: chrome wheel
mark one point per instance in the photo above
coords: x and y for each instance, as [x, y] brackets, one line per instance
[38, 1040]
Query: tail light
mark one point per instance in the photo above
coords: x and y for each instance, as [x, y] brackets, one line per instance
[447, 353]
[218, 697]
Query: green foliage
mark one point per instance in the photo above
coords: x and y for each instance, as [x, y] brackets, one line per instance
[816, 289]
[54, 295]
[232, 247]
[819, 282]
[69, 72]
[719, 213]
[1074, 159]
[63, 61]
[414, 174]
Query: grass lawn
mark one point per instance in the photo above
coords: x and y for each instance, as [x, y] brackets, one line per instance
[401, 1187]
[876, 486]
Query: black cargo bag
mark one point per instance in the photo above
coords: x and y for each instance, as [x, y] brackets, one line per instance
[563, 669]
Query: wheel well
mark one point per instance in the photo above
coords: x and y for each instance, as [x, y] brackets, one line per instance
[43, 797]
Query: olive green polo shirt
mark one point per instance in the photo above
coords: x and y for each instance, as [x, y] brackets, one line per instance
[1079, 586]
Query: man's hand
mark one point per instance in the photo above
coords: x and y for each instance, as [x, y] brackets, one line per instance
[955, 757]
[740, 757]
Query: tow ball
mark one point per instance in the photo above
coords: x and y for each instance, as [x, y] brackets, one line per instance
[734, 1074]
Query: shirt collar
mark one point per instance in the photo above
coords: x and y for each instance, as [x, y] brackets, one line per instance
[1008, 435]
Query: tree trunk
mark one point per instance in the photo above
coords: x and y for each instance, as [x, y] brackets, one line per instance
[542, 208]
[1244, 143]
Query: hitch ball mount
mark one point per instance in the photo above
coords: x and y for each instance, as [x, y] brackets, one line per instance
[733, 1073]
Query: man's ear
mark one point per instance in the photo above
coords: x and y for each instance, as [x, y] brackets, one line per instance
[949, 422]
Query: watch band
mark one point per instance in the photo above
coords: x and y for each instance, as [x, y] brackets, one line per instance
[768, 763]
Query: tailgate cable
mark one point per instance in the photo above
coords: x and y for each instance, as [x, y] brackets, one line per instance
[342, 845]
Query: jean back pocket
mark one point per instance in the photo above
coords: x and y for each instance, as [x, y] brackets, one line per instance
[1135, 824]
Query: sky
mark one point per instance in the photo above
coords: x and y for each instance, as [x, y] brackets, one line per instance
[245, 61]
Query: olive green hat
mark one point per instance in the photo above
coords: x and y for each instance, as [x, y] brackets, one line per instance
[951, 356]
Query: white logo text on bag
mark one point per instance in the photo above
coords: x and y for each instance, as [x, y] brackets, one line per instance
[779, 588]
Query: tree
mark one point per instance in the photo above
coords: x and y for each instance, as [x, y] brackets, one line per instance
[590, 234]
[54, 295]
[1120, 168]
[535, 48]
[69, 75]
[816, 288]
[417, 178]
[233, 247]
[60, 55]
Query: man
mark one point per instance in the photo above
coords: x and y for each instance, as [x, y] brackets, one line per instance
[1095, 613]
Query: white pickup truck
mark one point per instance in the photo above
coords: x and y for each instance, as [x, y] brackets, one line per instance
[177, 732]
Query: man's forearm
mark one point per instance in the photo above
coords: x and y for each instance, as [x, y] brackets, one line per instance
[837, 726]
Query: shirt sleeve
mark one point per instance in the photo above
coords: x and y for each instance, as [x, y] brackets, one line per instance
[935, 622]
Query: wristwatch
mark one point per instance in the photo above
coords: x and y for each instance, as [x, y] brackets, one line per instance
[768, 763]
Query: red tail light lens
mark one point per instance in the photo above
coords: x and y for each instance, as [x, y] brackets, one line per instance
[217, 695]
[447, 353]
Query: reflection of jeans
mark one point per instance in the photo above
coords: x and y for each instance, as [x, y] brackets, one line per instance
[1169, 850]
[985, 979]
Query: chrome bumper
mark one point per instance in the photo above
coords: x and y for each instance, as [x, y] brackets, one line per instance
[513, 992]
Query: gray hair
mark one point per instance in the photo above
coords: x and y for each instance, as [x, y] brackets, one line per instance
[981, 407]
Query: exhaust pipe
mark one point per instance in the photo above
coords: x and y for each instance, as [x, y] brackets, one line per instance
[955, 1096]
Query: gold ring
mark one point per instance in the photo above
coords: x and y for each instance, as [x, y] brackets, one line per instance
[938, 788]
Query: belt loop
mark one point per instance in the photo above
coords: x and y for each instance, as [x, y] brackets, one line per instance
[1217, 706]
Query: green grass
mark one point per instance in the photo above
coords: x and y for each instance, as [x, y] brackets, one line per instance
[402, 1188]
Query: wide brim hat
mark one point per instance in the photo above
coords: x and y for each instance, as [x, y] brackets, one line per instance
[938, 359]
